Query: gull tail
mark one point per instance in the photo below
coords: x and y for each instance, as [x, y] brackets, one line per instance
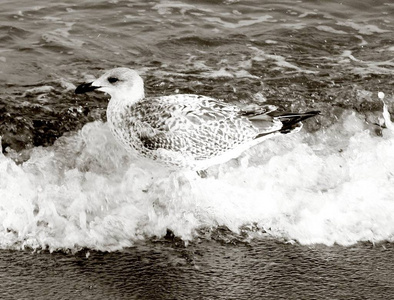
[291, 121]
[287, 122]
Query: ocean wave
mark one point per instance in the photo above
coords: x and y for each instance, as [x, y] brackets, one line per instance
[331, 186]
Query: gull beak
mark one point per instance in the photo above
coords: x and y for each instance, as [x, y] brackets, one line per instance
[85, 87]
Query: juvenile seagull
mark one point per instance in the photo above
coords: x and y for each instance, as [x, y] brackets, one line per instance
[184, 131]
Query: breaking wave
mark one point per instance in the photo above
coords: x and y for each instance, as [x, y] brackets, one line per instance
[335, 185]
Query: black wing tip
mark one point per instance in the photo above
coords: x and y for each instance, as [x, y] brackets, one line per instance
[307, 114]
[291, 121]
[313, 113]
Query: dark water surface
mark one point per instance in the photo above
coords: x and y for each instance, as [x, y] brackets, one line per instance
[305, 216]
[204, 270]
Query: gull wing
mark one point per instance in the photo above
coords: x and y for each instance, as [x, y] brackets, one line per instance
[261, 117]
[178, 112]
[199, 125]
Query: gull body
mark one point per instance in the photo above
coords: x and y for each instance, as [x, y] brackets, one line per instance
[183, 130]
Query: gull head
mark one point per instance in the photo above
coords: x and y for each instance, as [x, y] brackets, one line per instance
[122, 84]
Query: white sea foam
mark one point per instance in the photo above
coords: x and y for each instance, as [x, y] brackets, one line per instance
[167, 7]
[362, 28]
[61, 36]
[279, 60]
[366, 67]
[333, 186]
[241, 23]
[330, 29]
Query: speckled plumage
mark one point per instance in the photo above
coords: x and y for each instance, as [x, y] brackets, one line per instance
[180, 130]
[193, 126]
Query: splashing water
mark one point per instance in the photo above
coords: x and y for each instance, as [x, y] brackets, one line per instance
[386, 114]
[332, 186]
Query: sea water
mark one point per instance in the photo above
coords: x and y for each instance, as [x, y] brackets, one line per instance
[67, 185]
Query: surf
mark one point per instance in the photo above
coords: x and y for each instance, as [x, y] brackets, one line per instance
[331, 186]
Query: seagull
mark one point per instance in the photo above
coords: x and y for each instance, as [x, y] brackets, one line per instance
[185, 130]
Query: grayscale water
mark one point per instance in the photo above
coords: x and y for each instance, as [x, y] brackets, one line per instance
[301, 216]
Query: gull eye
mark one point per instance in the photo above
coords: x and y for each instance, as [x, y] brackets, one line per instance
[113, 79]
